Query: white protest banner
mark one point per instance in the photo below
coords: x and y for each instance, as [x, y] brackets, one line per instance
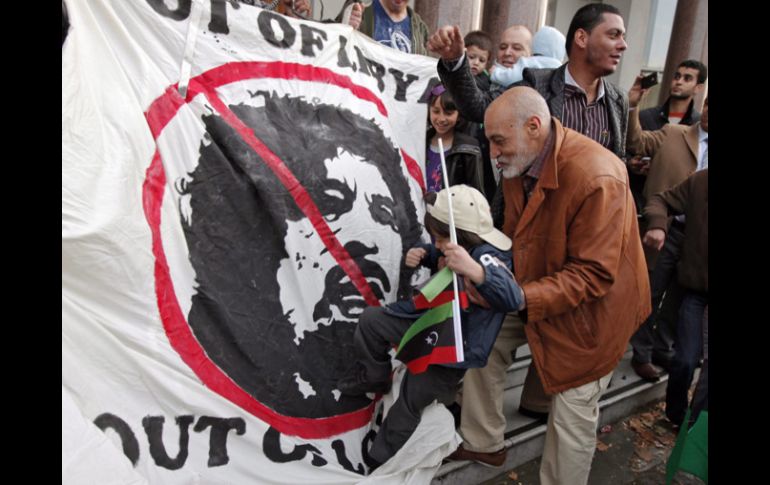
[218, 245]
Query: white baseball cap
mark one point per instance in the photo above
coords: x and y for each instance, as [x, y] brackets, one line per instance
[471, 213]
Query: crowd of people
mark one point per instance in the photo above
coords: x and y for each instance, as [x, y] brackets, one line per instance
[593, 195]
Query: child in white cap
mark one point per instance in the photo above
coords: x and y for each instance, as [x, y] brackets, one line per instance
[483, 258]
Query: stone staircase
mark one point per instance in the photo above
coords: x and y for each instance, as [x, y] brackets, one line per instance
[524, 437]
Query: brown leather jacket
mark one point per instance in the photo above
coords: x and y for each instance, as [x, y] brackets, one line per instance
[578, 257]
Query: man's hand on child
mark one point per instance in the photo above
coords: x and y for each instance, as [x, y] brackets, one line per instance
[414, 256]
[459, 261]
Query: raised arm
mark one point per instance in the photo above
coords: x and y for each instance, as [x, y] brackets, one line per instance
[455, 73]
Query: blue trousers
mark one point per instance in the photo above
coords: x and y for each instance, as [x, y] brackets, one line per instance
[688, 349]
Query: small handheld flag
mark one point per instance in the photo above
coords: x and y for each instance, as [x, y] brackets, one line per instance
[432, 338]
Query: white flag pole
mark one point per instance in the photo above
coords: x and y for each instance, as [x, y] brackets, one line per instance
[453, 237]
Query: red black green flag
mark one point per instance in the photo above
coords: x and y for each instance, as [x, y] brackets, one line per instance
[432, 338]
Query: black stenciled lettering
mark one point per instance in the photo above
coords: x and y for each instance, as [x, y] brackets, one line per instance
[309, 40]
[218, 22]
[424, 97]
[218, 436]
[271, 445]
[153, 426]
[339, 448]
[402, 84]
[369, 438]
[127, 437]
[266, 20]
[377, 71]
[181, 12]
[342, 55]
[365, 445]
[364, 66]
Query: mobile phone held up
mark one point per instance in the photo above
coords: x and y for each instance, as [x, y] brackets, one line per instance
[650, 80]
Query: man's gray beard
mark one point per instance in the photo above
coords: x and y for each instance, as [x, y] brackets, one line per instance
[519, 164]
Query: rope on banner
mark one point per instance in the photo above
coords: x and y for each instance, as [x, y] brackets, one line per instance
[189, 46]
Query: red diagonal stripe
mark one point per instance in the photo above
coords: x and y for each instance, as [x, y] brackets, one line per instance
[300, 195]
[414, 169]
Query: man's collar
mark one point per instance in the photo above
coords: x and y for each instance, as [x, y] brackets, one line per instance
[702, 135]
[665, 108]
[536, 168]
[568, 79]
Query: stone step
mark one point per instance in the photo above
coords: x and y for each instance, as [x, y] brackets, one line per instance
[525, 437]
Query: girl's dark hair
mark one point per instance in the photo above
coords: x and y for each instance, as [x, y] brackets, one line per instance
[447, 102]
[435, 227]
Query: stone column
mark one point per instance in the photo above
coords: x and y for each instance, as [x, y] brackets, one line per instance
[450, 12]
[499, 15]
[689, 40]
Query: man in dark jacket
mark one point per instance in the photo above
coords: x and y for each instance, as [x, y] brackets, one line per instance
[690, 198]
[595, 44]
[677, 151]
[689, 79]
[679, 109]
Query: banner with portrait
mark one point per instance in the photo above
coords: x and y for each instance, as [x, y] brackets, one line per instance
[237, 186]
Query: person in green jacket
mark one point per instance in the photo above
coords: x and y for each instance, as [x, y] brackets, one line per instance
[389, 22]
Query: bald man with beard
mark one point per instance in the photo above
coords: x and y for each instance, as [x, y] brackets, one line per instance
[578, 257]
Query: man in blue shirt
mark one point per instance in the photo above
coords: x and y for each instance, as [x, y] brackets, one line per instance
[389, 22]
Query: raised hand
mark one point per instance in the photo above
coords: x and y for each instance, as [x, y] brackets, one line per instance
[447, 42]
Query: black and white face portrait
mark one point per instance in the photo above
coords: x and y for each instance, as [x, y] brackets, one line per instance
[273, 308]
[364, 222]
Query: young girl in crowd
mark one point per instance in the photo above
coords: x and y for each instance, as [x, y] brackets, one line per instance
[462, 152]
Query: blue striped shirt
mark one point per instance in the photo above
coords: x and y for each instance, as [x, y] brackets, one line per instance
[592, 120]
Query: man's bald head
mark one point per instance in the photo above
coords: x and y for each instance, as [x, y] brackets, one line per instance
[517, 125]
[515, 42]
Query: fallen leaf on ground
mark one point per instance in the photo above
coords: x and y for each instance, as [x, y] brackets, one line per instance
[646, 435]
[606, 429]
[513, 476]
[636, 424]
[648, 419]
[602, 446]
[666, 440]
[644, 453]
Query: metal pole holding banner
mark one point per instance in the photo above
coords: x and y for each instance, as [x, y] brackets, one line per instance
[453, 237]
